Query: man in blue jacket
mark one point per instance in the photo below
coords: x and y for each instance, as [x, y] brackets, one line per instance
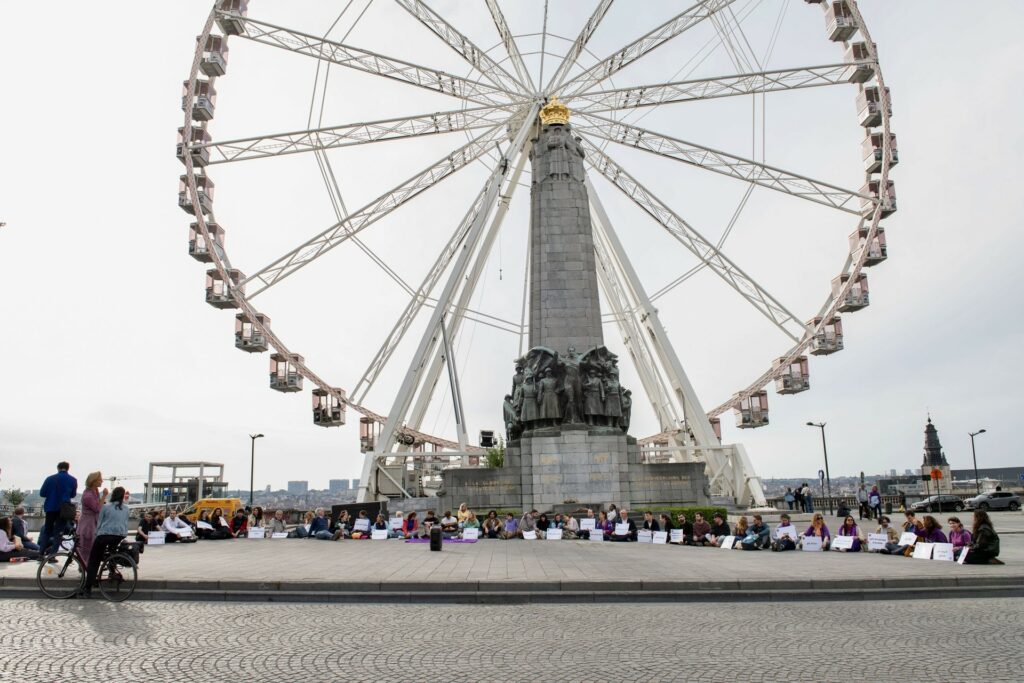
[57, 489]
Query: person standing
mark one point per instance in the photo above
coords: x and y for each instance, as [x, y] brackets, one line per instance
[789, 497]
[875, 501]
[110, 531]
[92, 502]
[808, 498]
[57, 490]
[862, 502]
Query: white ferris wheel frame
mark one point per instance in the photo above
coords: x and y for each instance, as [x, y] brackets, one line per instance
[501, 107]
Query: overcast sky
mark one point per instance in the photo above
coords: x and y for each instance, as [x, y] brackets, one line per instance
[112, 360]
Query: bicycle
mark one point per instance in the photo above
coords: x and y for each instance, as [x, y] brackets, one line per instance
[62, 574]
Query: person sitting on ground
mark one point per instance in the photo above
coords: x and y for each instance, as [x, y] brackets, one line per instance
[570, 527]
[984, 548]
[176, 529]
[239, 523]
[462, 514]
[277, 525]
[650, 523]
[510, 528]
[471, 523]
[605, 526]
[528, 522]
[360, 528]
[343, 526]
[758, 535]
[585, 533]
[221, 528]
[701, 530]
[11, 546]
[686, 527]
[492, 525]
[381, 524]
[910, 522]
[740, 531]
[958, 535]
[558, 522]
[785, 536]
[613, 513]
[409, 526]
[20, 529]
[256, 517]
[201, 531]
[891, 535]
[906, 549]
[158, 517]
[819, 529]
[302, 530]
[146, 526]
[320, 528]
[428, 521]
[623, 518]
[543, 524]
[449, 525]
[719, 529]
[850, 528]
[931, 531]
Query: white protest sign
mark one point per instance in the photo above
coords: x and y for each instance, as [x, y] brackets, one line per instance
[588, 524]
[660, 537]
[923, 551]
[530, 535]
[644, 536]
[728, 542]
[963, 556]
[596, 535]
[362, 524]
[842, 543]
[621, 529]
[554, 535]
[257, 532]
[183, 532]
[943, 552]
[279, 534]
[396, 523]
[907, 538]
[379, 535]
[156, 538]
[471, 533]
[204, 525]
[223, 522]
[676, 536]
[811, 543]
[877, 541]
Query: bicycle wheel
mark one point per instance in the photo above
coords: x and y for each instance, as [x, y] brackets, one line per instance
[118, 577]
[62, 579]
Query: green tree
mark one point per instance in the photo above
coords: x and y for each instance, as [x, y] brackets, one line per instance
[15, 496]
[496, 454]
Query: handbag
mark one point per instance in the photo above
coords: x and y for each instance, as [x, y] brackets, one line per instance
[68, 511]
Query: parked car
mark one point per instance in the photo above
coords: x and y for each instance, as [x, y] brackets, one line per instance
[941, 503]
[994, 500]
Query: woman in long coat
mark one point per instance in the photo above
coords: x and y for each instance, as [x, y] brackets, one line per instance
[92, 503]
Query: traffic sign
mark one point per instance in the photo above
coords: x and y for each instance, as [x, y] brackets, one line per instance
[167, 493]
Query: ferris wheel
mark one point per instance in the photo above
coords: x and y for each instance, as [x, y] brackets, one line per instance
[495, 97]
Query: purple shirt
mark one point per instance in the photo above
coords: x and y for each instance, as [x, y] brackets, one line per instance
[934, 536]
[511, 525]
[824, 532]
[961, 538]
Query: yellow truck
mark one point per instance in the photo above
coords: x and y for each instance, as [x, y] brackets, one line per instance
[227, 506]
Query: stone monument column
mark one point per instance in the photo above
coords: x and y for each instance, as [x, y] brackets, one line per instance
[564, 307]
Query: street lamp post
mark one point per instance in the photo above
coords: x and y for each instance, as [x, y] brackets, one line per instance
[824, 447]
[252, 464]
[974, 456]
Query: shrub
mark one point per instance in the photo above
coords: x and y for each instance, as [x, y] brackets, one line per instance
[707, 510]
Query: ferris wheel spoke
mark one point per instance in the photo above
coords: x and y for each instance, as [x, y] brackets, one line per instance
[642, 46]
[579, 45]
[374, 63]
[313, 248]
[726, 164]
[280, 144]
[696, 243]
[456, 40]
[710, 88]
[509, 42]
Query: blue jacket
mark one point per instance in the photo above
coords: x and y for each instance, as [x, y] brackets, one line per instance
[58, 489]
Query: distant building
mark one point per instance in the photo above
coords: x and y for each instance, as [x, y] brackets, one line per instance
[337, 485]
[355, 483]
[268, 488]
[298, 488]
[892, 473]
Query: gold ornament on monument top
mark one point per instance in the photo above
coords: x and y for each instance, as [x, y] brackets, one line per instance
[554, 113]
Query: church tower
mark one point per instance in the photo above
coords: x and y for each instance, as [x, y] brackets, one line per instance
[933, 455]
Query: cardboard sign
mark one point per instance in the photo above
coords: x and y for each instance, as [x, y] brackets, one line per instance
[156, 538]
[279, 534]
[962, 556]
[644, 536]
[596, 535]
[204, 525]
[362, 524]
[588, 524]
[530, 535]
[811, 544]
[877, 541]
[660, 538]
[471, 533]
[553, 535]
[728, 542]
[183, 531]
[675, 536]
[923, 551]
[379, 535]
[621, 529]
[842, 543]
[396, 523]
[907, 538]
[224, 522]
[943, 552]
[257, 532]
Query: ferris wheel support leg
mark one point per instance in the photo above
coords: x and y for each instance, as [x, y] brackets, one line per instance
[403, 400]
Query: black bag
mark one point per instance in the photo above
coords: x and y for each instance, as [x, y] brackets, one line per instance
[68, 511]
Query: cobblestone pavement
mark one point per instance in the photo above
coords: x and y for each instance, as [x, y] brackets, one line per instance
[949, 640]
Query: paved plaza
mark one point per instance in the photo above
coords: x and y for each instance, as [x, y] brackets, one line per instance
[950, 640]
